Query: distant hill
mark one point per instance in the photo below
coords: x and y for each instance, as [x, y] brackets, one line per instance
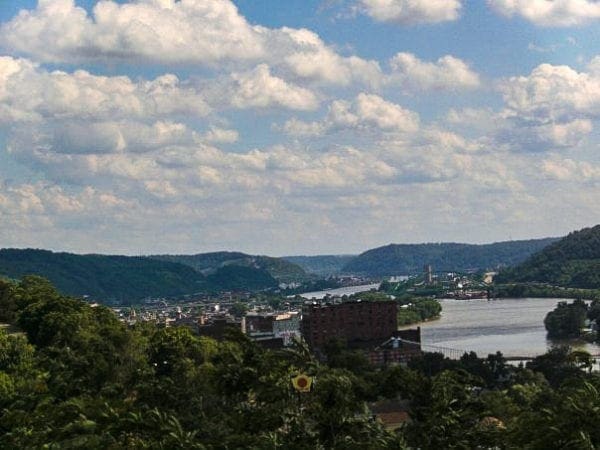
[234, 277]
[404, 259]
[207, 263]
[573, 261]
[103, 277]
[130, 278]
[322, 265]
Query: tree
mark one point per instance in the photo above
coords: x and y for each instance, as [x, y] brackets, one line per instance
[566, 320]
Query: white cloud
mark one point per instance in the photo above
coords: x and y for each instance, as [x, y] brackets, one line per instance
[448, 73]
[366, 112]
[208, 32]
[297, 127]
[161, 31]
[481, 119]
[221, 135]
[373, 111]
[259, 89]
[570, 170]
[110, 137]
[307, 56]
[537, 137]
[555, 13]
[30, 93]
[409, 12]
[553, 107]
[553, 93]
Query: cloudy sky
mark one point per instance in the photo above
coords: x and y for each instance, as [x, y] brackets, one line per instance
[296, 126]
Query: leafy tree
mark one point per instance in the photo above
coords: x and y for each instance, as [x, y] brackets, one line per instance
[566, 320]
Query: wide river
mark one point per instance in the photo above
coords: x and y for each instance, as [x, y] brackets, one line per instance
[513, 326]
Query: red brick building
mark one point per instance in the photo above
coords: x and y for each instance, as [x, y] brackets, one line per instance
[353, 322]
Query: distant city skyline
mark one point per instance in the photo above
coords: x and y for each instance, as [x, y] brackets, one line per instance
[321, 127]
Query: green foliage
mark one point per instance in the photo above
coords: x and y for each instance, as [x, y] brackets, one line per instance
[537, 290]
[238, 309]
[281, 269]
[404, 259]
[102, 277]
[566, 320]
[8, 306]
[129, 279]
[574, 261]
[418, 309]
[240, 278]
[78, 378]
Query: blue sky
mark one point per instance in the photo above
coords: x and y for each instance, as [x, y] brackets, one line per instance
[319, 127]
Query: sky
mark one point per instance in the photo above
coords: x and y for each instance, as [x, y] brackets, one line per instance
[296, 127]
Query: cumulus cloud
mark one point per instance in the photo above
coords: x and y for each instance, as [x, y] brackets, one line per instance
[410, 12]
[161, 31]
[31, 93]
[111, 137]
[259, 89]
[448, 73]
[297, 127]
[366, 112]
[306, 56]
[570, 170]
[555, 13]
[553, 93]
[221, 135]
[209, 33]
[552, 107]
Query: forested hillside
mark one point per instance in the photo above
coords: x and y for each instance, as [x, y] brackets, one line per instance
[126, 278]
[574, 261]
[322, 265]
[240, 278]
[404, 259]
[207, 263]
[103, 277]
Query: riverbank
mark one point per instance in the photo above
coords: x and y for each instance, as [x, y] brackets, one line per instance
[417, 310]
[512, 326]
[536, 290]
[404, 325]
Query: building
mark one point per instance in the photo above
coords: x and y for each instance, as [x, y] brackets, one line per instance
[261, 327]
[287, 326]
[256, 323]
[427, 274]
[357, 323]
[399, 349]
[216, 327]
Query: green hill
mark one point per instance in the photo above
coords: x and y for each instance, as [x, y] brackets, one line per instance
[103, 277]
[207, 263]
[245, 278]
[573, 261]
[404, 259]
[129, 279]
[323, 265]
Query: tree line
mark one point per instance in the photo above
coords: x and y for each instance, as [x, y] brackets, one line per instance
[73, 376]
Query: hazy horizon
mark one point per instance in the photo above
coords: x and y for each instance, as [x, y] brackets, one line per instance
[55, 250]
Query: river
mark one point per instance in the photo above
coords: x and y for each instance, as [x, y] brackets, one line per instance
[513, 326]
[348, 290]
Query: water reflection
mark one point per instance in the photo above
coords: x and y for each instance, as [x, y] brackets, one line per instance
[513, 326]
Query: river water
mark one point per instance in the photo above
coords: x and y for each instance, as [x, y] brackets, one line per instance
[348, 290]
[513, 326]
